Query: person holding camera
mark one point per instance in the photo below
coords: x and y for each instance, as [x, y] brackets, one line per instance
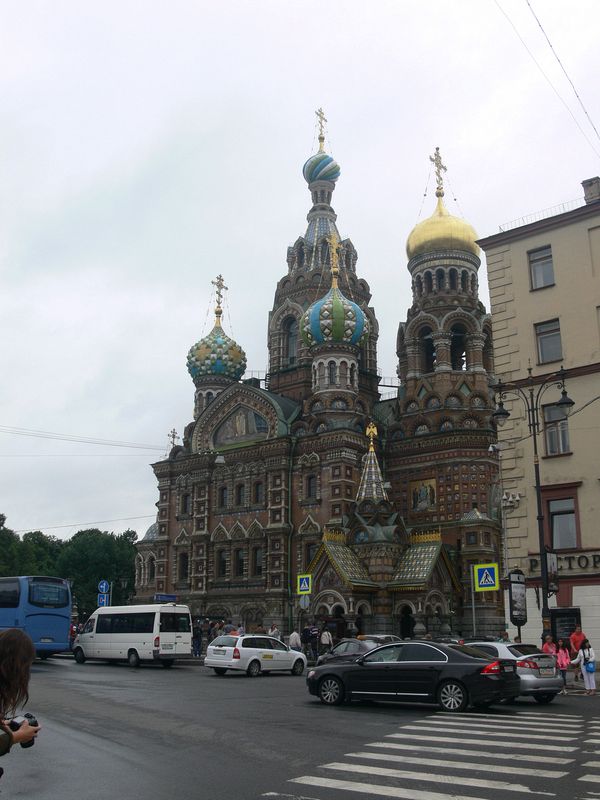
[16, 657]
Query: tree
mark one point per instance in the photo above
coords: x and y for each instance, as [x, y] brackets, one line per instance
[38, 554]
[9, 549]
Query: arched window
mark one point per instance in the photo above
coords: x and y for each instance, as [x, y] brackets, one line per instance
[259, 492]
[300, 256]
[332, 373]
[458, 348]
[257, 561]
[440, 277]
[151, 569]
[353, 375]
[311, 487]
[240, 494]
[186, 504]
[239, 561]
[419, 286]
[426, 351]
[183, 568]
[464, 280]
[321, 374]
[428, 283]
[453, 279]
[488, 354]
[221, 563]
[343, 374]
[222, 496]
[290, 328]
[473, 284]
[208, 399]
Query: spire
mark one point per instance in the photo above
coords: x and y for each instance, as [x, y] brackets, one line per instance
[333, 241]
[436, 160]
[220, 286]
[371, 481]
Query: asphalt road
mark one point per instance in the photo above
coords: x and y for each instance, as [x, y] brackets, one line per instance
[111, 731]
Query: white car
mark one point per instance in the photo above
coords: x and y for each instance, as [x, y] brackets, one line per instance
[253, 653]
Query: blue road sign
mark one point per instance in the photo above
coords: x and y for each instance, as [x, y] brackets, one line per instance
[103, 587]
[487, 578]
[102, 599]
[304, 584]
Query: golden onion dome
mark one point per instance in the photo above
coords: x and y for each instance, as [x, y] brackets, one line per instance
[441, 231]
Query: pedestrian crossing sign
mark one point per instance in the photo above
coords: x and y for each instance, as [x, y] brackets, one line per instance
[304, 584]
[486, 577]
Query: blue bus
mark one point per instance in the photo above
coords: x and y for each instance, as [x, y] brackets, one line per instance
[41, 607]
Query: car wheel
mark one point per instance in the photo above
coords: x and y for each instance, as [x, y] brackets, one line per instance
[220, 670]
[253, 670]
[168, 663]
[298, 667]
[133, 659]
[452, 696]
[79, 656]
[331, 691]
[544, 699]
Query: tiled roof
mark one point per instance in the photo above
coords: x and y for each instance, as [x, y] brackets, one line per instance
[346, 563]
[416, 566]
[371, 482]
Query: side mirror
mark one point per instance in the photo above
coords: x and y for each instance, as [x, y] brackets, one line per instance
[360, 660]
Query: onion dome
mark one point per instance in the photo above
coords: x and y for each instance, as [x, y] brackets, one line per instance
[151, 533]
[334, 319]
[216, 354]
[441, 231]
[321, 167]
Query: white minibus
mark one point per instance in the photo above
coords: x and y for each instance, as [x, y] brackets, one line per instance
[158, 632]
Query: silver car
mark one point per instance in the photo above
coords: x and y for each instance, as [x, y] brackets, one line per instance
[539, 675]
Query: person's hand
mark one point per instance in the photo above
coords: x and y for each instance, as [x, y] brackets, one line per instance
[25, 733]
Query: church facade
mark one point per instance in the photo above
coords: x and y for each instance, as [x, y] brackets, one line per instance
[281, 478]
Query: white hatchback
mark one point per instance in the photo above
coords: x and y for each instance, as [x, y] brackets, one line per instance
[253, 653]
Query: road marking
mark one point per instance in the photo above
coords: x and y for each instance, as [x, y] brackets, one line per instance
[431, 778]
[591, 764]
[468, 765]
[591, 778]
[382, 791]
[487, 725]
[516, 745]
[457, 751]
[542, 717]
[475, 732]
[591, 741]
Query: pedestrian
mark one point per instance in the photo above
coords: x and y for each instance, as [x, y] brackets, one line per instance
[16, 657]
[274, 631]
[196, 639]
[325, 640]
[229, 627]
[305, 639]
[295, 642]
[549, 647]
[241, 629]
[576, 638]
[586, 661]
[314, 642]
[504, 637]
[563, 661]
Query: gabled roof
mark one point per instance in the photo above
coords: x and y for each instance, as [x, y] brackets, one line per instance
[345, 562]
[418, 563]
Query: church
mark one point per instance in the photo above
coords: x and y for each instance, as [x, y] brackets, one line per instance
[385, 503]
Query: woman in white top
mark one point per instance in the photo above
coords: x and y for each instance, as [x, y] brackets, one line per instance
[585, 656]
[326, 641]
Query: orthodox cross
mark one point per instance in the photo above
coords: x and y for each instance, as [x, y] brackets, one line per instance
[371, 433]
[333, 241]
[320, 114]
[220, 284]
[172, 437]
[436, 160]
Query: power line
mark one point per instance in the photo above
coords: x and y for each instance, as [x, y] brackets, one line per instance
[74, 455]
[554, 89]
[555, 54]
[67, 437]
[79, 524]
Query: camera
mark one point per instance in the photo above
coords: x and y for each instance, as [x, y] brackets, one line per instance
[15, 723]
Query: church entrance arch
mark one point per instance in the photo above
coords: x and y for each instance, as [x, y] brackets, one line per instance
[407, 622]
[330, 612]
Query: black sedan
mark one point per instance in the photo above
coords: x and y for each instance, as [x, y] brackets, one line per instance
[350, 649]
[452, 675]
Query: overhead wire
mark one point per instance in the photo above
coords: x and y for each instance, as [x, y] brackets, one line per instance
[78, 524]
[552, 86]
[67, 437]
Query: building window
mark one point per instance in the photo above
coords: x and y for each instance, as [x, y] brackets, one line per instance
[541, 269]
[549, 346]
[471, 538]
[332, 373]
[556, 431]
[311, 552]
[183, 567]
[259, 492]
[291, 341]
[239, 561]
[257, 561]
[186, 504]
[311, 487]
[563, 524]
[222, 496]
[221, 563]
[151, 569]
[240, 494]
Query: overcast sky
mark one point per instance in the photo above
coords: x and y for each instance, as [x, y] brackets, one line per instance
[145, 147]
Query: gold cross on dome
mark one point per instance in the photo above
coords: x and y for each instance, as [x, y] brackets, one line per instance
[436, 160]
[320, 114]
[173, 436]
[220, 284]
[371, 433]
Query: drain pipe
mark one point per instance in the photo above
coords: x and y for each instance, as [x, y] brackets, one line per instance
[293, 440]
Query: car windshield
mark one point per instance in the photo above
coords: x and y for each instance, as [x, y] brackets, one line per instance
[525, 650]
[224, 641]
[469, 651]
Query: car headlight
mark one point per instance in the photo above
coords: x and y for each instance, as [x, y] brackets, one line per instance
[311, 674]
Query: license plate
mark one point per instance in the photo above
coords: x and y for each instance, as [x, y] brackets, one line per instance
[547, 672]
[46, 639]
[267, 656]
[167, 646]
[508, 669]
[218, 652]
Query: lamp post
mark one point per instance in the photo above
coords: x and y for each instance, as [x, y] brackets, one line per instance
[531, 393]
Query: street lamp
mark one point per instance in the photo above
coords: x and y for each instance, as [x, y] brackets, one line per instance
[531, 397]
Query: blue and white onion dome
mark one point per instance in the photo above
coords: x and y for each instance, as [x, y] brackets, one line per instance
[321, 167]
[216, 355]
[334, 319]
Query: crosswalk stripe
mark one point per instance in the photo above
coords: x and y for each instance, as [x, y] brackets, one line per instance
[489, 725]
[563, 718]
[591, 741]
[591, 764]
[383, 791]
[530, 719]
[457, 751]
[590, 778]
[493, 734]
[466, 765]
[432, 778]
[515, 745]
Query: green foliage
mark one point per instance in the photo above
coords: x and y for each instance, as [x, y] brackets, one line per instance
[87, 558]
